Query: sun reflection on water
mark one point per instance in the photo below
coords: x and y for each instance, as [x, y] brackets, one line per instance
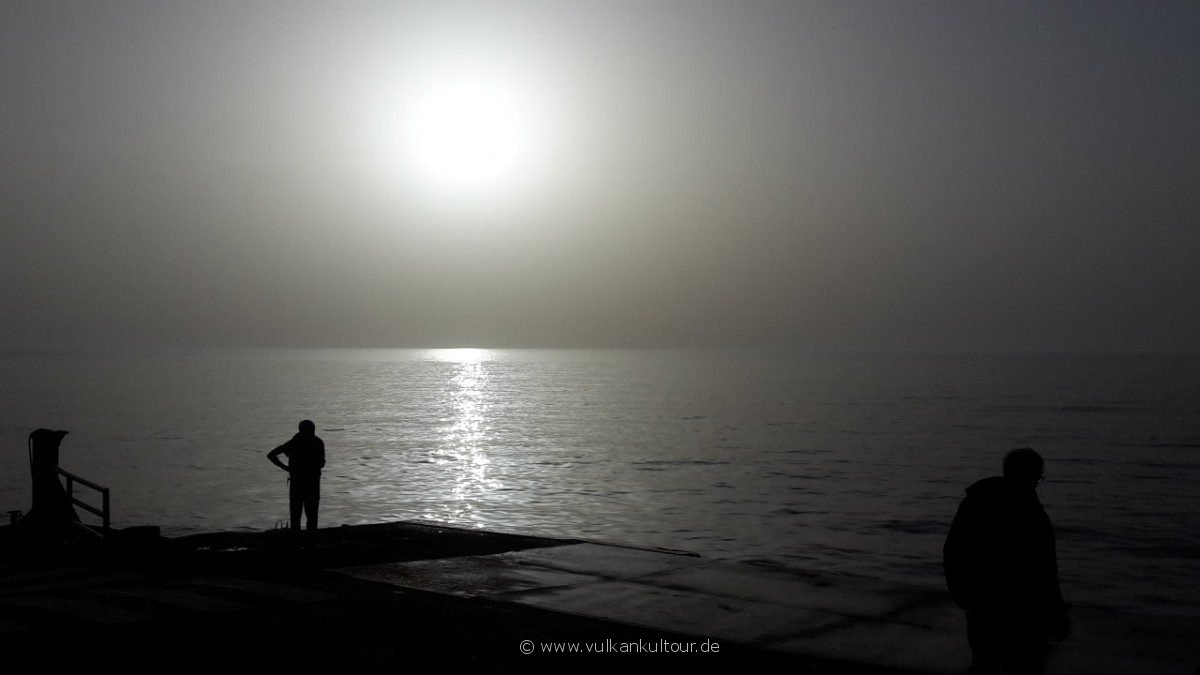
[464, 454]
[459, 355]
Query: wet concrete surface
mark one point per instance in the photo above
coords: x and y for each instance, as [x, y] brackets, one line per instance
[838, 617]
[386, 595]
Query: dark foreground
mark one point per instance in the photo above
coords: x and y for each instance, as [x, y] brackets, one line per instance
[264, 600]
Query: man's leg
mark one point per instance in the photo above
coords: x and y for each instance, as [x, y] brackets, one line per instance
[1026, 647]
[311, 502]
[986, 640]
[296, 505]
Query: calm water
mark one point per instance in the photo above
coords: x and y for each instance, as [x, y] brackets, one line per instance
[849, 463]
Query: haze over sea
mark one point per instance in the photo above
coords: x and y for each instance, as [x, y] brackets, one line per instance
[850, 462]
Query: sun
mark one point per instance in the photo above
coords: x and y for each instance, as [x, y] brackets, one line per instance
[466, 131]
[470, 135]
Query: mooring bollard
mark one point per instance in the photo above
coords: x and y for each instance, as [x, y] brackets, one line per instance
[52, 510]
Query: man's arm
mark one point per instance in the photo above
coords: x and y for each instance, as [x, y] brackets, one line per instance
[1060, 620]
[958, 555]
[274, 457]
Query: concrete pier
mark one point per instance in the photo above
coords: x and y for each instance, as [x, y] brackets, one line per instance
[379, 595]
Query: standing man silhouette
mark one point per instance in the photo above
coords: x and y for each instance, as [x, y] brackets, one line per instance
[1002, 568]
[306, 458]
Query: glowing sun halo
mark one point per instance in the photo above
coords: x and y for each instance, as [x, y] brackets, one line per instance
[471, 132]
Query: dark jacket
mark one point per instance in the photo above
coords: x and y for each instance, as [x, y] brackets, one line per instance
[1000, 554]
[305, 453]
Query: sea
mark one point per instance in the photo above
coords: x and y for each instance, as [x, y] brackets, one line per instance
[835, 462]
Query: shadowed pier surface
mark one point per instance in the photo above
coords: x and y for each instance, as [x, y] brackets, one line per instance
[380, 595]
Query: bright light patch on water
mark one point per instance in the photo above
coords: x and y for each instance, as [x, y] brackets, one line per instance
[459, 355]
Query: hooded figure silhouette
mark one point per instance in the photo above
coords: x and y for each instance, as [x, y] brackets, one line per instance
[1002, 568]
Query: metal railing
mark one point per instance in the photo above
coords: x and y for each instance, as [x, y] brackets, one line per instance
[103, 512]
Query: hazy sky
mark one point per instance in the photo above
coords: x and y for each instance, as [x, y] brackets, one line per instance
[928, 175]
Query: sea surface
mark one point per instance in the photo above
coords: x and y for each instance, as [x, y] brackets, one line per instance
[850, 462]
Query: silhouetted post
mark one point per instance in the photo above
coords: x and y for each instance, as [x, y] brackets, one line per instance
[51, 510]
